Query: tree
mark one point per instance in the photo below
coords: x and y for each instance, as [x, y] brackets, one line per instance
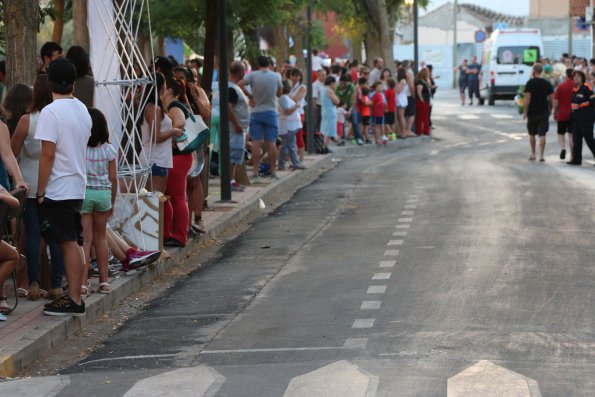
[58, 21]
[79, 20]
[379, 18]
[20, 23]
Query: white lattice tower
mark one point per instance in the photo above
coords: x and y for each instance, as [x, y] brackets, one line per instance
[122, 76]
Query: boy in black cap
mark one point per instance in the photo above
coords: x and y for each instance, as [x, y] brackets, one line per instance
[64, 128]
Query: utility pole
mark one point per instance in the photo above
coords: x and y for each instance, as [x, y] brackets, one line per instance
[310, 108]
[454, 42]
[589, 14]
[570, 19]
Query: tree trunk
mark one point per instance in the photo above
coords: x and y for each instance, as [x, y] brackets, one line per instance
[79, 22]
[298, 47]
[161, 46]
[210, 44]
[379, 38]
[58, 22]
[356, 49]
[252, 49]
[20, 26]
[281, 49]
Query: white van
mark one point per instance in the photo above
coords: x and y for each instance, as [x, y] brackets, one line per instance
[508, 56]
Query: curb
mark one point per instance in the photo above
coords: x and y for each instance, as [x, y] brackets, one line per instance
[40, 340]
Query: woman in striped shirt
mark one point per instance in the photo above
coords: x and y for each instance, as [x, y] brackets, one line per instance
[99, 198]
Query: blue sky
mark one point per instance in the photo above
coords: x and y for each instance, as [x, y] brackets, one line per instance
[511, 7]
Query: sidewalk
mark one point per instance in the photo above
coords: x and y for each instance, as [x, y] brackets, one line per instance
[28, 334]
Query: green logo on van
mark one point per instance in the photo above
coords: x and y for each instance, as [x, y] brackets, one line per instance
[530, 56]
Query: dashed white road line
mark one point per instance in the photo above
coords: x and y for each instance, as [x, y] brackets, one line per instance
[391, 252]
[376, 289]
[408, 213]
[371, 305]
[381, 276]
[412, 201]
[411, 206]
[387, 263]
[405, 220]
[395, 242]
[403, 226]
[400, 234]
[363, 323]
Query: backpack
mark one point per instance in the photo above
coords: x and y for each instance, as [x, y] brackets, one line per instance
[319, 146]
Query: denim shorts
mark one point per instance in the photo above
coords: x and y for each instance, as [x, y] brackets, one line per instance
[236, 156]
[158, 171]
[264, 126]
[97, 200]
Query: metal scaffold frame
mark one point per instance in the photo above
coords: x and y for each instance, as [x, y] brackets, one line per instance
[123, 81]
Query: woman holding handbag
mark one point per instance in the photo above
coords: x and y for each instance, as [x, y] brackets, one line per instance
[176, 211]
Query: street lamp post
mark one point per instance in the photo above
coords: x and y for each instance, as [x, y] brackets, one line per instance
[224, 106]
[309, 98]
[454, 43]
[416, 35]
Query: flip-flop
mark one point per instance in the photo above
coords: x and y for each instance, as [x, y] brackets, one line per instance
[3, 317]
[542, 160]
[531, 158]
[22, 292]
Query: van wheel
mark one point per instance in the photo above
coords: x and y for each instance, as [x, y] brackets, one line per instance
[491, 101]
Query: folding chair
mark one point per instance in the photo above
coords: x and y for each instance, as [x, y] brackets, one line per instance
[12, 237]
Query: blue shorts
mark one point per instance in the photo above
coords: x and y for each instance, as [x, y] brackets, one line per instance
[158, 171]
[378, 120]
[236, 156]
[264, 125]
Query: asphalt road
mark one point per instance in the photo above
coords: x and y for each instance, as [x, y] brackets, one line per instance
[390, 276]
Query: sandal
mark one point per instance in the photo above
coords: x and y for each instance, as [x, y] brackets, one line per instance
[85, 289]
[4, 308]
[104, 288]
[22, 292]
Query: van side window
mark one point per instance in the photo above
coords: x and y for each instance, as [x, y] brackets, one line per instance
[517, 55]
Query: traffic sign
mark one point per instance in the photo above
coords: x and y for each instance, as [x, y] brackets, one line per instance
[499, 25]
[480, 36]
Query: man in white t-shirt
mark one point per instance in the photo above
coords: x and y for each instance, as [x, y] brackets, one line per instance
[316, 61]
[64, 128]
[376, 72]
[316, 86]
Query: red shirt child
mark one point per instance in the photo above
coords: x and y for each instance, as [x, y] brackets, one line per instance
[378, 104]
[563, 95]
[391, 100]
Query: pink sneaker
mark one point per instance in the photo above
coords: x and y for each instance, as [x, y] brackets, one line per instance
[138, 258]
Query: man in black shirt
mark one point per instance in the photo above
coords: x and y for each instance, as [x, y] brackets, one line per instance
[537, 109]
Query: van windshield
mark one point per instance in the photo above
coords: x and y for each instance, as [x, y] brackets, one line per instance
[517, 55]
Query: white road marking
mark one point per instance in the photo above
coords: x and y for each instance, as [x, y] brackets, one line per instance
[405, 220]
[376, 289]
[411, 206]
[469, 117]
[339, 379]
[45, 386]
[492, 380]
[391, 252]
[387, 263]
[434, 152]
[400, 234]
[371, 305]
[361, 323]
[381, 276]
[414, 196]
[403, 226]
[412, 201]
[355, 343]
[194, 381]
[395, 242]
[502, 116]
[282, 349]
[408, 213]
